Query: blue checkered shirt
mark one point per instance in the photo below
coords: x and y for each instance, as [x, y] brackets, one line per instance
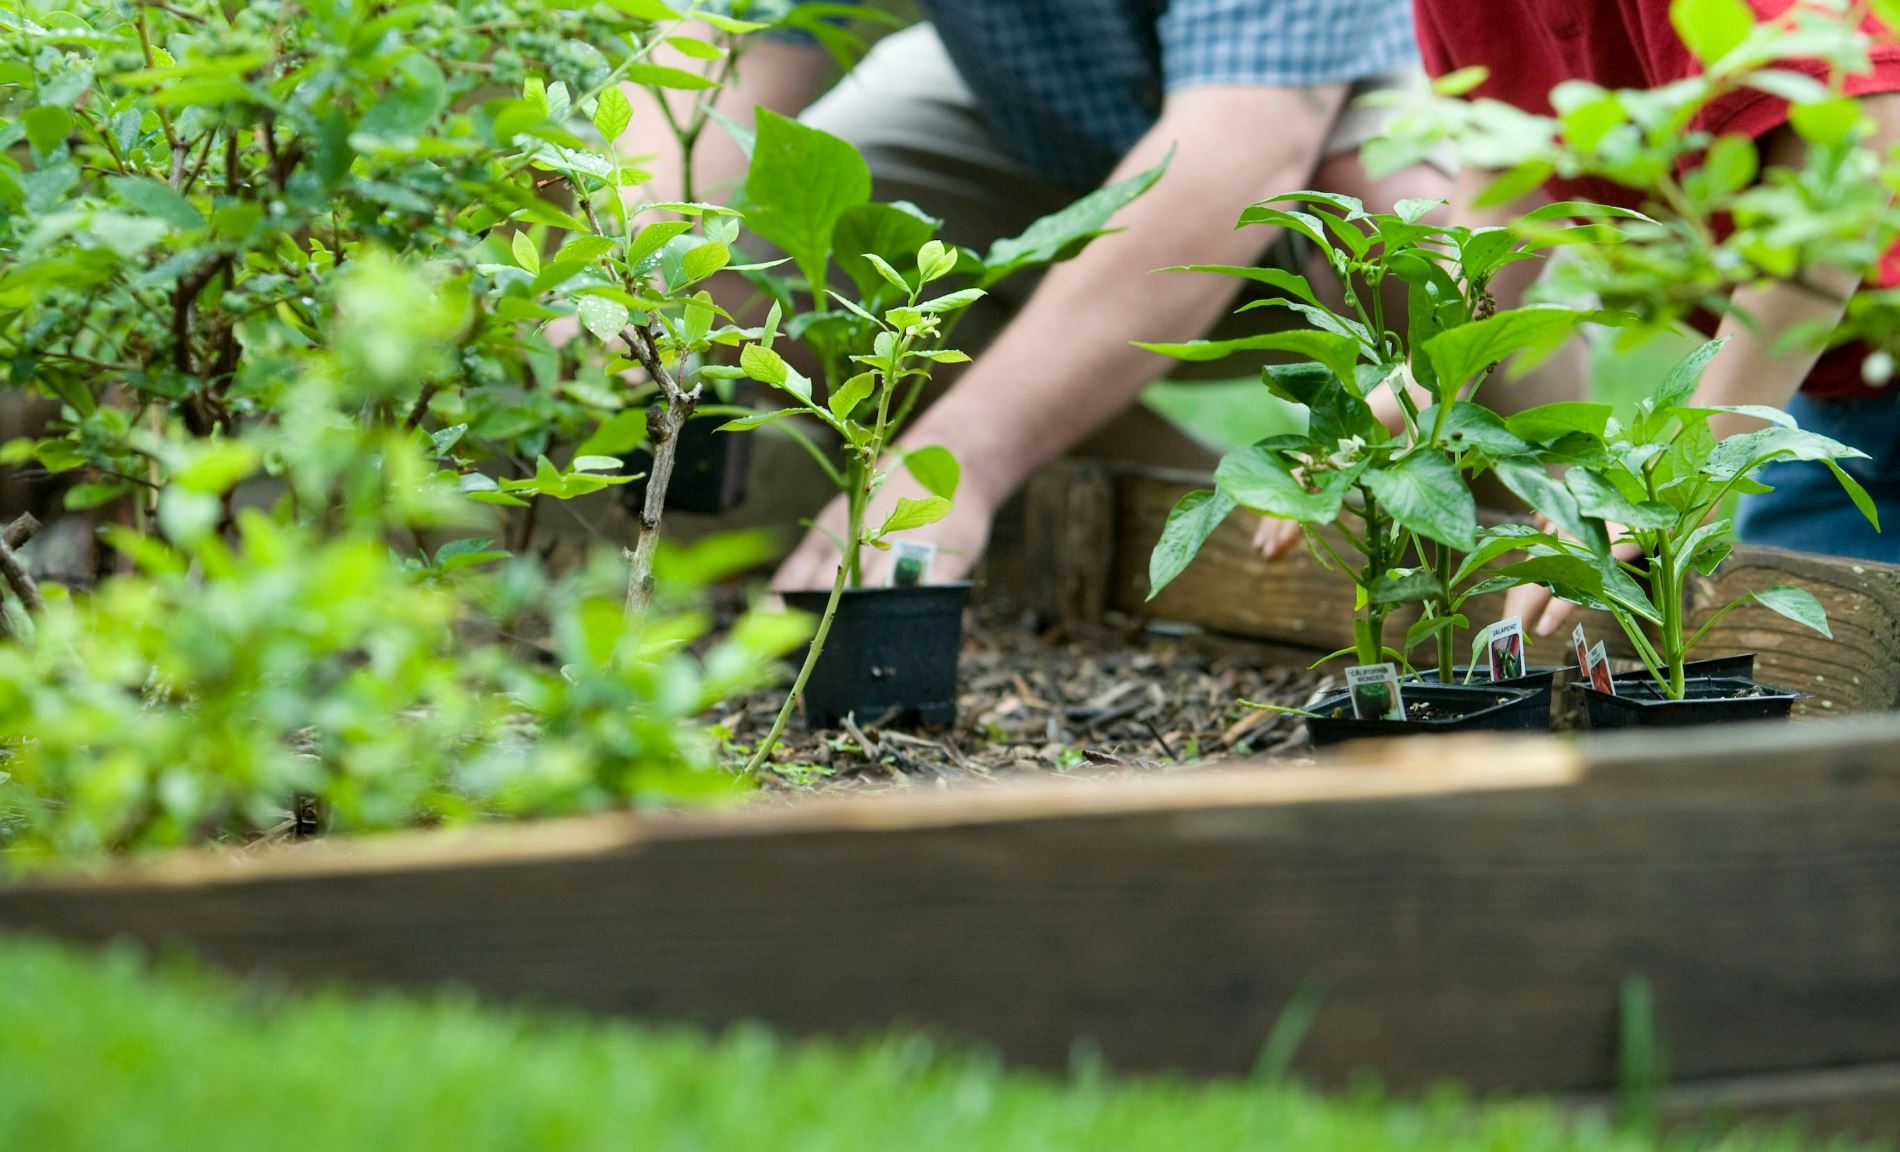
[1070, 85]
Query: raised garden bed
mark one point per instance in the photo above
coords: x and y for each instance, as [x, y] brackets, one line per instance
[1465, 909]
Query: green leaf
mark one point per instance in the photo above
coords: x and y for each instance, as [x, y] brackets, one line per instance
[661, 76]
[1462, 353]
[1826, 122]
[526, 253]
[47, 127]
[1711, 28]
[757, 420]
[1684, 375]
[612, 113]
[1548, 422]
[1797, 604]
[768, 367]
[1263, 482]
[1744, 453]
[702, 261]
[852, 393]
[1410, 587]
[1539, 489]
[157, 199]
[888, 274]
[1340, 354]
[1189, 524]
[1288, 282]
[1060, 235]
[648, 242]
[617, 435]
[801, 183]
[936, 469]
[1598, 497]
[1424, 493]
[915, 514]
[1473, 426]
[1856, 493]
[952, 301]
[888, 231]
[606, 319]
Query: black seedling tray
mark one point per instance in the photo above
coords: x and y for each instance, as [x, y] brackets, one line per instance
[1480, 708]
[1536, 681]
[1706, 700]
[1742, 665]
[891, 655]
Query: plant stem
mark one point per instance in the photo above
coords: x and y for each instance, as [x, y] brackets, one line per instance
[816, 650]
[1447, 643]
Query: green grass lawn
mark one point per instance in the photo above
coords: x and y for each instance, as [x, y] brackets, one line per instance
[99, 1055]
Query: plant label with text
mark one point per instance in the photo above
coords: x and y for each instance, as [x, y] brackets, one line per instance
[1374, 689]
[1504, 642]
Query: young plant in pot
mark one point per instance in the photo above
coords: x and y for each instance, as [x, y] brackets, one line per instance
[896, 647]
[1411, 528]
[1664, 478]
[886, 652]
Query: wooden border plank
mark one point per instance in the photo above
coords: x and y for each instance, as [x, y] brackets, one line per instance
[1856, 671]
[1468, 909]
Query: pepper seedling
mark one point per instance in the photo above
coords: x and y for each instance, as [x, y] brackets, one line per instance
[1663, 478]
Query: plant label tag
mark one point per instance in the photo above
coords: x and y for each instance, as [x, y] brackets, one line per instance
[910, 563]
[1600, 670]
[1583, 651]
[1375, 692]
[1504, 641]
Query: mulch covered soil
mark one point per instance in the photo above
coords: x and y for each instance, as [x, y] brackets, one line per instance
[1116, 702]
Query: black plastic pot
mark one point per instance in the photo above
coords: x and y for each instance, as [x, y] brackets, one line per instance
[709, 471]
[1536, 681]
[1742, 665]
[891, 656]
[1706, 700]
[1474, 708]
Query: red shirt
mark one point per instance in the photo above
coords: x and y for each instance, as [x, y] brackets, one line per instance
[1530, 46]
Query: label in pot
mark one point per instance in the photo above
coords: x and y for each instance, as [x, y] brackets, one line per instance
[910, 563]
[1504, 643]
[1600, 670]
[1374, 689]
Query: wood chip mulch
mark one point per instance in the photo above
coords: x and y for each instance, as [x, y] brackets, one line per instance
[1115, 703]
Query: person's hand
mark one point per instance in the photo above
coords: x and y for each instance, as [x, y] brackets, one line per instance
[960, 538]
[1543, 614]
[1275, 537]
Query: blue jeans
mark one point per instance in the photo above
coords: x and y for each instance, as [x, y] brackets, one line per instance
[1807, 511]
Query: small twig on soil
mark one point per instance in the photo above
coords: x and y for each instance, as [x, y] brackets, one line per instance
[1160, 739]
[867, 747]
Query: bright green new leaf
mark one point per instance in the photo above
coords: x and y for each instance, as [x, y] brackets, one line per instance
[1290, 283]
[661, 76]
[936, 469]
[851, 393]
[915, 514]
[1711, 28]
[526, 253]
[612, 113]
[889, 231]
